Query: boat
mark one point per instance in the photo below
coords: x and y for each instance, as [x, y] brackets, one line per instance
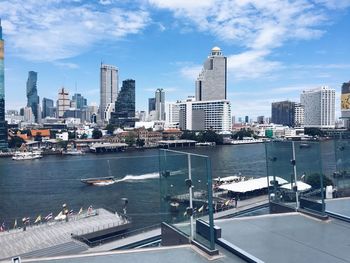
[73, 152]
[205, 144]
[247, 140]
[100, 181]
[27, 155]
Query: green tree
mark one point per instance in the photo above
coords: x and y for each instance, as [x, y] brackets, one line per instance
[210, 136]
[243, 133]
[15, 142]
[110, 129]
[38, 137]
[96, 134]
[140, 142]
[315, 180]
[189, 135]
[313, 132]
[84, 136]
[62, 144]
[71, 135]
[130, 139]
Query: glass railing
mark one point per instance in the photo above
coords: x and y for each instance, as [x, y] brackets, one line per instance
[186, 192]
[295, 177]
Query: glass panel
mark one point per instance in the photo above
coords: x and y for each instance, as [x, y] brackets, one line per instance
[186, 192]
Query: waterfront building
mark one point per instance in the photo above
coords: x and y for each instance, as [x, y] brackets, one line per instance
[63, 102]
[160, 104]
[80, 101]
[345, 103]
[205, 115]
[48, 108]
[3, 124]
[32, 94]
[109, 80]
[282, 112]
[124, 115]
[319, 107]
[298, 115]
[151, 104]
[172, 111]
[211, 83]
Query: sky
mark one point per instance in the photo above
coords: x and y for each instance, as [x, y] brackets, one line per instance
[275, 48]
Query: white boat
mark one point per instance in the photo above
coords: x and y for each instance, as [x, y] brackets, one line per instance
[247, 140]
[73, 152]
[102, 181]
[27, 155]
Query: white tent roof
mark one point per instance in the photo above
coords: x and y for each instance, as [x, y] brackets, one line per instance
[301, 186]
[251, 185]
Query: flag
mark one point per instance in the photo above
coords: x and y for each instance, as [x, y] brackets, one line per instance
[48, 217]
[80, 211]
[15, 224]
[38, 219]
[201, 208]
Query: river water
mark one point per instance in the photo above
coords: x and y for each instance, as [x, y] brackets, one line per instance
[30, 188]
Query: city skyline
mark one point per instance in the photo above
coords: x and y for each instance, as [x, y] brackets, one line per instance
[280, 50]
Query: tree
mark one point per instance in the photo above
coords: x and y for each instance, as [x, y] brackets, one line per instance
[313, 132]
[210, 136]
[71, 135]
[96, 134]
[84, 136]
[110, 129]
[189, 135]
[15, 142]
[140, 142]
[315, 180]
[130, 139]
[243, 133]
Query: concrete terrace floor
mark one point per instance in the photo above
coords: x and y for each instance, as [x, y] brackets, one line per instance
[339, 206]
[178, 254]
[291, 237]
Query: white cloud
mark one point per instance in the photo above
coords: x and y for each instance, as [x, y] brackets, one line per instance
[67, 65]
[191, 72]
[58, 29]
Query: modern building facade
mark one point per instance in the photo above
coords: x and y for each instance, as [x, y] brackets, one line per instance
[345, 104]
[3, 124]
[299, 115]
[282, 112]
[124, 115]
[319, 107]
[109, 80]
[172, 111]
[160, 105]
[80, 101]
[211, 83]
[48, 108]
[151, 104]
[63, 102]
[205, 115]
[32, 94]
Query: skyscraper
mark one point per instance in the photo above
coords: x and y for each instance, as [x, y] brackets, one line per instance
[48, 108]
[160, 104]
[282, 112]
[211, 83]
[80, 101]
[3, 124]
[319, 107]
[124, 115]
[32, 94]
[63, 102]
[108, 87]
[345, 103]
[151, 104]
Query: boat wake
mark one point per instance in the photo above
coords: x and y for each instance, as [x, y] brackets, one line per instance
[129, 178]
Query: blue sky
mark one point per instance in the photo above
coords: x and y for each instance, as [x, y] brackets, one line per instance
[275, 48]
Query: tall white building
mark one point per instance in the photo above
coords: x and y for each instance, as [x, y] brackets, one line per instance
[160, 104]
[172, 111]
[205, 115]
[319, 107]
[108, 87]
[211, 83]
[299, 115]
[63, 102]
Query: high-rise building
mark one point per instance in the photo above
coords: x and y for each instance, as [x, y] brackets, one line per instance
[63, 102]
[48, 108]
[28, 115]
[345, 104]
[299, 115]
[3, 124]
[246, 119]
[32, 94]
[80, 101]
[108, 87]
[160, 104]
[124, 115]
[319, 107]
[205, 115]
[151, 104]
[282, 112]
[211, 83]
[260, 119]
[172, 111]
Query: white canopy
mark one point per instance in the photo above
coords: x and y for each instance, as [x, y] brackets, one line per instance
[301, 186]
[251, 185]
